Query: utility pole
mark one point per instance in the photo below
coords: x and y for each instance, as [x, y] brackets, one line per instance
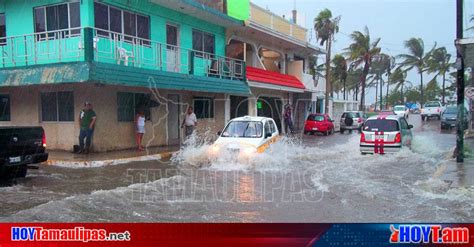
[460, 83]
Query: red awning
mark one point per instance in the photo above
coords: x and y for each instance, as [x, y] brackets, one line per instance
[273, 78]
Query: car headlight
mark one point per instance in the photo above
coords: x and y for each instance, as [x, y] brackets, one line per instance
[215, 149]
[249, 151]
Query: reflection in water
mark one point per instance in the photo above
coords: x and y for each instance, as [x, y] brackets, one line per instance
[246, 189]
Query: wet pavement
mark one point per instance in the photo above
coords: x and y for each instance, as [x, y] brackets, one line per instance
[302, 179]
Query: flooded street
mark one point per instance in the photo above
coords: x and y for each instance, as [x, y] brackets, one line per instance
[305, 179]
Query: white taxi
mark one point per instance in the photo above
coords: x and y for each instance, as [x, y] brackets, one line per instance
[385, 134]
[244, 137]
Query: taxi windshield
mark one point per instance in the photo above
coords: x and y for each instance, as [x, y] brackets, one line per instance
[243, 129]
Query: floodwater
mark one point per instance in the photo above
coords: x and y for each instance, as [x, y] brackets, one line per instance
[303, 179]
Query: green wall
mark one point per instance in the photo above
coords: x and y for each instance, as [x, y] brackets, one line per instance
[159, 16]
[239, 9]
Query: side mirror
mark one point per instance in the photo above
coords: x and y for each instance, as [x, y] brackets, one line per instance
[268, 135]
[219, 133]
[410, 126]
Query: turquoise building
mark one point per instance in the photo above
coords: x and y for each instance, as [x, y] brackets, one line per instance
[123, 56]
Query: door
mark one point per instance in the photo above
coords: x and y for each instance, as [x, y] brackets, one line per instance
[271, 107]
[174, 111]
[172, 50]
[239, 106]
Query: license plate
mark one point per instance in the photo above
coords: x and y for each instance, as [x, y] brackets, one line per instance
[453, 125]
[15, 159]
[315, 128]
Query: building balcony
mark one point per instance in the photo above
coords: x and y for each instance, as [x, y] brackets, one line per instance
[267, 19]
[105, 47]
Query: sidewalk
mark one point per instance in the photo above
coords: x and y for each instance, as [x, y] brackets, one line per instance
[68, 159]
[460, 175]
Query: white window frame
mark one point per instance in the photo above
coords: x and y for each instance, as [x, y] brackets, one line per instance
[46, 20]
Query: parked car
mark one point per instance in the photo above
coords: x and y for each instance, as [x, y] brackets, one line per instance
[19, 148]
[319, 123]
[431, 109]
[352, 120]
[401, 111]
[385, 134]
[450, 115]
[244, 137]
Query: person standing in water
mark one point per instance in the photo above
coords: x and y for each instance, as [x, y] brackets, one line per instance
[189, 122]
[140, 129]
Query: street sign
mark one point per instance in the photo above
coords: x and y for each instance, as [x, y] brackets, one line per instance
[469, 92]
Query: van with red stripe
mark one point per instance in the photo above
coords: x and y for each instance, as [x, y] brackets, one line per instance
[385, 134]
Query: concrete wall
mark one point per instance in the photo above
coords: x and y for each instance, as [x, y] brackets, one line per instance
[110, 134]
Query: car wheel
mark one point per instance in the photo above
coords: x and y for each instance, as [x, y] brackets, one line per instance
[22, 171]
[342, 131]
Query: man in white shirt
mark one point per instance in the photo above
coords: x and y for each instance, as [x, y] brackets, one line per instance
[189, 122]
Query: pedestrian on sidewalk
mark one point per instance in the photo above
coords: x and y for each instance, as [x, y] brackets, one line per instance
[140, 128]
[87, 119]
[288, 119]
[189, 122]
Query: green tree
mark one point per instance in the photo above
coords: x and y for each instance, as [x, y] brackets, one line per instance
[398, 79]
[361, 52]
[326, 27]
[439, 63]
[381, 65]
[416, 58]
[340, 73]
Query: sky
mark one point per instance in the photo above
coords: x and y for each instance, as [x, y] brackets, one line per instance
[394, 21]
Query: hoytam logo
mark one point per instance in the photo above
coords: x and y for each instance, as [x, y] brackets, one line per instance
[79, 234]
[435, 234]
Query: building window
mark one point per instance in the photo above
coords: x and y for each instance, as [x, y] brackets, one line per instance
[204, 107]
[57, 17]
[131, 25]
[128, 105]
[57, 107]
[5, 107]
[3, 30]
[204, 42]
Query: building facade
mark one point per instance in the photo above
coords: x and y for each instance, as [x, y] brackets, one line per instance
[226, 58]
[277, 55]
[158, 56]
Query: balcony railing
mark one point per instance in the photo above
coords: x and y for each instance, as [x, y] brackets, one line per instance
[84, 44]
[270, 20]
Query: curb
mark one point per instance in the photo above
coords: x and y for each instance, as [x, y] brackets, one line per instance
[102, 163]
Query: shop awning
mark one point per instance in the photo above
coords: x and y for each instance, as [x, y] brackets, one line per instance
[261, 78]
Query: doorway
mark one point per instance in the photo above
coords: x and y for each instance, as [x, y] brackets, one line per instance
[271, 107]
[172, 49]
[174, 112]
[239, 106]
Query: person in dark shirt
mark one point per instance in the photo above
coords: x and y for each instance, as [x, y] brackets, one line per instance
[87, 119]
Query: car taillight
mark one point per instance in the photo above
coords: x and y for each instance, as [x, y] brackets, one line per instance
[43, 140]
[439, 110]
[398, 138]
[362, 137]
[359, 120]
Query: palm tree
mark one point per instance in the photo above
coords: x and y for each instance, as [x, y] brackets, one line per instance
[340, 72]
[382, 64]
[326, 27]
[416, 58]
[361, 52]
[398, 79]
[440, 64]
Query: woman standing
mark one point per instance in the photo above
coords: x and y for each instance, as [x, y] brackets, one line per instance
[140, 127]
